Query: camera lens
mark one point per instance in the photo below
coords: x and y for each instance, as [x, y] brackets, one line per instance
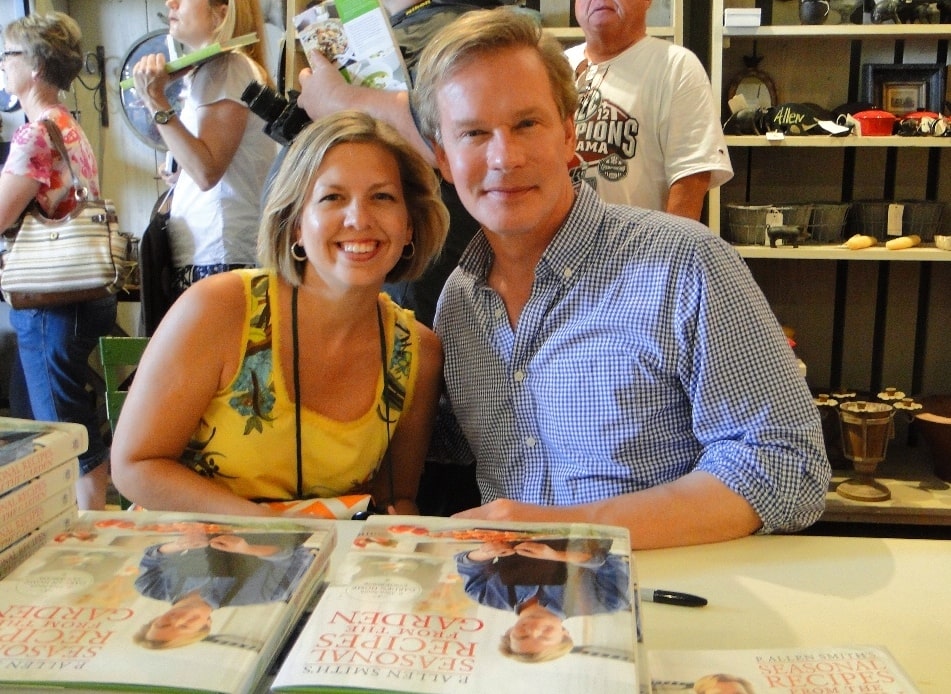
[263, 101]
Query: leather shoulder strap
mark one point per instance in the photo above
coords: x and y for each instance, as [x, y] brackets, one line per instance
[56, 137]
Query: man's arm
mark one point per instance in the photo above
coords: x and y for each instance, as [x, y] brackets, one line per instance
[694, 509]
[686, 195]
[324, 91]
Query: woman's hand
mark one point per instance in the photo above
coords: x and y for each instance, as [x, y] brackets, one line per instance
[150, 81]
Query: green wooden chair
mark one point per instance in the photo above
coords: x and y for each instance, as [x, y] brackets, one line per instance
[119, 357]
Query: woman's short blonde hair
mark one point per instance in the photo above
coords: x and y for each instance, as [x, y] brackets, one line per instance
[476, 34]
[294, 181]
[52, 42]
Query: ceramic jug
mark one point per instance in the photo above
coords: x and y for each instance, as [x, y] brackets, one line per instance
[813, 11]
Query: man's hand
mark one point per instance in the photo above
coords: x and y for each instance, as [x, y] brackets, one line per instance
[238, 545]
[491, 550]
[323, 90]
[502, 509]
[184, 543]
[539, 550]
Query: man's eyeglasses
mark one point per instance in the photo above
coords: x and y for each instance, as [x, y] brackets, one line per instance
[6, 54]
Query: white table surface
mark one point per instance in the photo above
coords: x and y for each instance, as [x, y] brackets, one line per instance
[797, 590]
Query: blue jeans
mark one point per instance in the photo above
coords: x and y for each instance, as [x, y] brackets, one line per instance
[54, 346]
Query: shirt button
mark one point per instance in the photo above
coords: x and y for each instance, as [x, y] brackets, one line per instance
[499, 313]
[567, 273]
[530, 442]
[519, 376]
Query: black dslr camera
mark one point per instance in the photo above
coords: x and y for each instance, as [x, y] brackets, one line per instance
[283, 118]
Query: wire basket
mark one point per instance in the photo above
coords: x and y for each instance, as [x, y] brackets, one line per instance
[922, 217]
[870, 218]
[747, 223]
[797, 215]
[827, 221]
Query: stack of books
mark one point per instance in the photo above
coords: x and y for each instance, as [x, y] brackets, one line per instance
[38, 470]
[159, 601]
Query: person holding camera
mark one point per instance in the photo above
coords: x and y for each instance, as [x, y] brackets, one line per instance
[220, 148]
[324, 91]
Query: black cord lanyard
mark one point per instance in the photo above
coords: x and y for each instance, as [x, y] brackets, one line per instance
[297, 398]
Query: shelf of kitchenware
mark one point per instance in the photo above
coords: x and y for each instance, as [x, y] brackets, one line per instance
[919, 497]
[721, 36]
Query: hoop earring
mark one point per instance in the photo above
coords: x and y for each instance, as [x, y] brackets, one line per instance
[297, 252]
[412, 250]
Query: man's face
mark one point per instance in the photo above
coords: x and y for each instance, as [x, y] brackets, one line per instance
[536, 631]
[505, 147]
[599, 15]
[178, 622]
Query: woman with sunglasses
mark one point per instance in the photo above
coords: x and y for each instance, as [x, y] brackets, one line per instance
[42, 55]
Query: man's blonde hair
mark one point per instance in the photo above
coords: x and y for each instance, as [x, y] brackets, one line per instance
[479, 33]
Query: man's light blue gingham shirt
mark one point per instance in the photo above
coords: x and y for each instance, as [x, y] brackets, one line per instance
[645, 351]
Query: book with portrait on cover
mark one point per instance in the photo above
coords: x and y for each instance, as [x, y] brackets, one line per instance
[426, 605]
[819, 670]
[155, 601]
[53, 443]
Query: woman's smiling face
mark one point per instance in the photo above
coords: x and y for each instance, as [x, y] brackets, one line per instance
[355, 223]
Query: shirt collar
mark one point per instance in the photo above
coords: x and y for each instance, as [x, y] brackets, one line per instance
[566, 255]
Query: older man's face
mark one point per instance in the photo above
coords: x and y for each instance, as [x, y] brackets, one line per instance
[615, 15]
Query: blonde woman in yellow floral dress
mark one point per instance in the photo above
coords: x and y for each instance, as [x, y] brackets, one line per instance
[300, 379]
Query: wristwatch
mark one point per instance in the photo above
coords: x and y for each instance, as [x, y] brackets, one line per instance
[163, 117]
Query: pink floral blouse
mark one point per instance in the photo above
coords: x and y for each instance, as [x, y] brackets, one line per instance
[32, 154]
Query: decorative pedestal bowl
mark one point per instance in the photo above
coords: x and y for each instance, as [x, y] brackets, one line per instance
[866, 428]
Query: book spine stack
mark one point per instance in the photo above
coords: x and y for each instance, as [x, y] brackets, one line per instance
[38, 490]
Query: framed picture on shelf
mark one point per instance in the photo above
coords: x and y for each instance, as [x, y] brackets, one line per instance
[902, 89]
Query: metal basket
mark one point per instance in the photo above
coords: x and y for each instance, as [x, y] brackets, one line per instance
[797, 215]
[828, 221]
[747, 223]
[870, 218]
[922, 217]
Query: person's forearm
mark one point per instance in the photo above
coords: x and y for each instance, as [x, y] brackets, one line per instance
[166, 485]
[686, 195]
[323, 94]
[17, 194]
[191, 154]
[695, 509]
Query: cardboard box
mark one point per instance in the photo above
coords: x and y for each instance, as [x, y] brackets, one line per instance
[741, 17]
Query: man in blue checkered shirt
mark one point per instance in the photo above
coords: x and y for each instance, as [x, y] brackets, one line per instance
[604, 363]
